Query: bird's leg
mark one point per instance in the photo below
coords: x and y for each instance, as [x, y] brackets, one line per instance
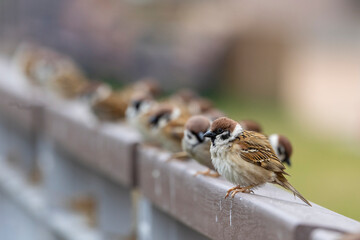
[178, 155]
[207, 173]
[237, 189]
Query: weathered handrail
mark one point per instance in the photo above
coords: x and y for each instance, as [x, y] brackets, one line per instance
[198, 202]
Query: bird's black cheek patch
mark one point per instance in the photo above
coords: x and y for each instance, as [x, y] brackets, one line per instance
[225, 136]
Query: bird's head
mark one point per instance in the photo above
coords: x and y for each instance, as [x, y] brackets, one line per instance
[223, 130]
[163, 115]
[139, 104]
[195, 129]
[251, 125]
[282, 147]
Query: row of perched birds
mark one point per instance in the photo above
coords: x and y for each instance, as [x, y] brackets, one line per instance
[184, 123]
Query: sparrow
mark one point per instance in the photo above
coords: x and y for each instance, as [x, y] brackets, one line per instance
[48, 68]
[113, 105]
[282, 147]
[167, 124]
[245, 158]
[196, 145]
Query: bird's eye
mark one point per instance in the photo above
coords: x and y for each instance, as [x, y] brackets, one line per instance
[220, 130]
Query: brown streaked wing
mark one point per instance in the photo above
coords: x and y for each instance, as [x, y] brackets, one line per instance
[255, 148]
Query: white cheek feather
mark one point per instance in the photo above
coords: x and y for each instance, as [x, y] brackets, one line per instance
[237, 131]
[145, 106]
[274, 139]
[175, 114]
[190, 138]
[162, 123]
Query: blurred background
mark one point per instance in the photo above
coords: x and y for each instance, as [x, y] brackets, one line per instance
[292, 66]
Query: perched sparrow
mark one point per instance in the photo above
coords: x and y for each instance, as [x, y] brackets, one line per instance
[282, 147]
[112, 107]
[48, 68]
[167, 125]
[245, 158]
[196, 145]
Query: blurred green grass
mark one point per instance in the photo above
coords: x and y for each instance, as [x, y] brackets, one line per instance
[324, 170]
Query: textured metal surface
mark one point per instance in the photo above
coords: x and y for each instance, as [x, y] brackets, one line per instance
[107, 147]
[270, 213]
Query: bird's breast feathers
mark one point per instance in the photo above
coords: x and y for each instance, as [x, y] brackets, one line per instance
[228, 162]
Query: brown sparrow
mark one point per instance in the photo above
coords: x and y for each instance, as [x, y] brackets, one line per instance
[112, 107]
[282, 147]
[167, 125]
[245, 158]
[196, 145]
[46, 67]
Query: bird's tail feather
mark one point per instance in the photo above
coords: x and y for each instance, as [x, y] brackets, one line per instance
[285, 184]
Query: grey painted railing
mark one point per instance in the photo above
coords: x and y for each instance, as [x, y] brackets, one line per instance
[103, 164]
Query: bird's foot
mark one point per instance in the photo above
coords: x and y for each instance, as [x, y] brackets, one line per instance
[207, 173]
[238, 189]
[179, 156]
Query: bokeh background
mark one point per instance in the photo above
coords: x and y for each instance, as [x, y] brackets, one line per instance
[292, 66]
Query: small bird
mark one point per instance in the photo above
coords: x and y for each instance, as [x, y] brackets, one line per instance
[245, 158]
[113, 106]
[196, 145]
[47, 68]
[282, 147]
[167, 124]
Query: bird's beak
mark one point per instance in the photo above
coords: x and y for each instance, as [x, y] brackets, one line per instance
[210, 134]
[287, 161]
